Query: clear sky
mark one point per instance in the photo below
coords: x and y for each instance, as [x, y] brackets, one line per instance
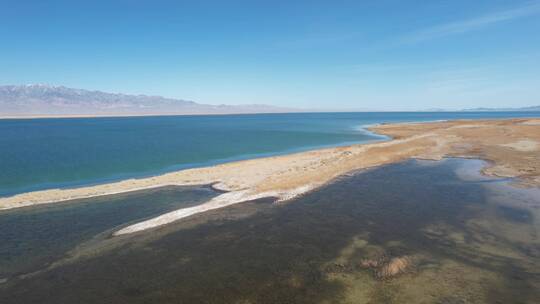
[385, 55]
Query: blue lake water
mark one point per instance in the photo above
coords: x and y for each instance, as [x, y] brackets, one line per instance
[45, 153]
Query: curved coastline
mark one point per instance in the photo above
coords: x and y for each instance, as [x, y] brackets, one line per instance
[122, 157]
[287, 176]
[362, 130]
[163, 179]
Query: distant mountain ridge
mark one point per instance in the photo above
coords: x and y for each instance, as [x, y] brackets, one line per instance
[525, 109]
[46, 100]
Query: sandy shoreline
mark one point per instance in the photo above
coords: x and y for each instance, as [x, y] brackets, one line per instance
[511, 146]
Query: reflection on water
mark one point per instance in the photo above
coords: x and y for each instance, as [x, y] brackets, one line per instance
[415, 232]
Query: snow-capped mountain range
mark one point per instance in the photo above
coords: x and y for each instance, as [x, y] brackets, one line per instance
[46, 100]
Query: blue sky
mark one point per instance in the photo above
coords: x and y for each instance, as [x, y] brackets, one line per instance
[378, 55]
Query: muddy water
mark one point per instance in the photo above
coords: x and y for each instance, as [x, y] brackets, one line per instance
[414, 232]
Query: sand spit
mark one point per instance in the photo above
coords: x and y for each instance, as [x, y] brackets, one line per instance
[220, 201]
[287, 176]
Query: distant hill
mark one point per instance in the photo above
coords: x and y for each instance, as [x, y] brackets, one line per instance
[45, 100]
[524, 109]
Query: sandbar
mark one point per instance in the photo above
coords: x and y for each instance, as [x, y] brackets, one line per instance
[511, 147]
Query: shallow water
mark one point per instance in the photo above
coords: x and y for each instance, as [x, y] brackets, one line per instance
[466, 239]
[34, 237]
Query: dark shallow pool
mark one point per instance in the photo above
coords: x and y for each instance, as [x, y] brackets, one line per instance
[460, 238]
[34, 237]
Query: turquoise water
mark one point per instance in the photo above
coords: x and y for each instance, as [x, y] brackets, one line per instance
[46, 153]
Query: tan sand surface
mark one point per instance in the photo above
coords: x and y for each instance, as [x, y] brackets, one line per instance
[511, 146]
[523, 145]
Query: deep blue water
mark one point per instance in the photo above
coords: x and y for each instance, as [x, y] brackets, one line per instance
[46, 153]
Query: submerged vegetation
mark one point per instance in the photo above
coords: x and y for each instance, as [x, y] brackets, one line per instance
[414, 232]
